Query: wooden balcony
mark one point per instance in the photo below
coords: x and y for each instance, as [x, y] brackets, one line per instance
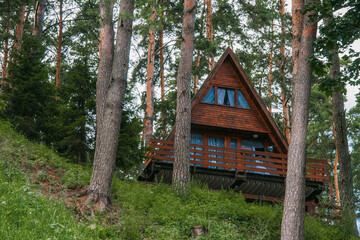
[252, 172]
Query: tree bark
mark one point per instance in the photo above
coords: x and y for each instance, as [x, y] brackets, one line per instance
[149, 112]
[105, 152]
[346, 186]
[196, 79]
[39, 16]
[270, 67]
[58, 57]
[6, 49]
[183, 108]
[284, 99]
[106, 54]
[336, 182]
[293, 222]
[162, 76]
[19, 29]
[286, 114]
[209, 31]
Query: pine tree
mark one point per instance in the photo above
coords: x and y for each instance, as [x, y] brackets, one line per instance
[181, 172]
[304, 34]
[29, 93]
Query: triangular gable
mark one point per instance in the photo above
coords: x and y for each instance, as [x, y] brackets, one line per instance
[229, 74]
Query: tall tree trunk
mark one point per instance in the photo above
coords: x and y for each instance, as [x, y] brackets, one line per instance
[58, 56]
[106, 54]
[346, 186]
[209, 31]
[6, 50]
[284, 99]
[183, 108]
[336, 181]
[286, 114]
[19, 29]
[105, 152]
[270, 67]
[39, 16]
[162, 76]
[196, 79]
[149, 112]
[293, 222]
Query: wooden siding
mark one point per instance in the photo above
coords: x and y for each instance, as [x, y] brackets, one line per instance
[226, 76]
[227, 117]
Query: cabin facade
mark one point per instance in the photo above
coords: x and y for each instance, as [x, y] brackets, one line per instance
[235, 143]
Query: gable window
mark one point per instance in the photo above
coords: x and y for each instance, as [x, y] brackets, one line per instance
[241, 101]
[225, 96]
[210, 97]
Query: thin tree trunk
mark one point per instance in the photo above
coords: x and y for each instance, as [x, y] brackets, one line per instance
[209, 31]
[105, 152]
[39, 16]
[6, 51]
[286, 114]
[149, 112]
[198, 58]
[293, 221]
[58, 56]
[284, 99]
[336, 182]
[346, 186]
[183, 108]
[196, 80]
[19, 29]
[162, 77]
[106, 54]
[270, 67]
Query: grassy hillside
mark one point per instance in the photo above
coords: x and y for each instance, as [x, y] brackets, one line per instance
[35, 183]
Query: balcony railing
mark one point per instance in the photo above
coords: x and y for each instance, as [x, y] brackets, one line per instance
[239, 160]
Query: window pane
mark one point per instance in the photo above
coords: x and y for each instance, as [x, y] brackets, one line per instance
[233, 143]
[231, 97]
[210, 97]
[241, 101]
[221, 96]
[226, 97]
[216, 142]
[196, 138]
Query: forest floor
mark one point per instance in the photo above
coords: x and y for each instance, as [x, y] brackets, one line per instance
[38, 201]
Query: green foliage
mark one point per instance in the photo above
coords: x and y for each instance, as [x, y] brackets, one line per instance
[354, 135]
[2, 105]
[74, 123]
[320, 138]
[28, 93]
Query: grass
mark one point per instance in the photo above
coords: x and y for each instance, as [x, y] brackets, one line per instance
[34, 182]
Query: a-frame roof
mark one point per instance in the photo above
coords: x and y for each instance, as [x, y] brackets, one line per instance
[228, 71]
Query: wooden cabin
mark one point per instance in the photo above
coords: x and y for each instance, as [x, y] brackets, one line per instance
[235, 143]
